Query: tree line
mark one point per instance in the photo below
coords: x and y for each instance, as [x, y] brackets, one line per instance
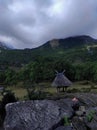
[43, 69]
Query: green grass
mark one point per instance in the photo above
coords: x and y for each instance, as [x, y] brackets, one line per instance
[20, 92]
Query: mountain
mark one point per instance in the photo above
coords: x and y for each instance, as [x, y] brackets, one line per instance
[70, 42]
[4, 46]
[73, 49]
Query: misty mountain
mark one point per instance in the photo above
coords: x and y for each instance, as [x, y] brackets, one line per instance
[73, 49]
[68, 43]
[4, 46]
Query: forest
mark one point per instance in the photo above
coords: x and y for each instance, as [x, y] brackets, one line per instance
[43, 69]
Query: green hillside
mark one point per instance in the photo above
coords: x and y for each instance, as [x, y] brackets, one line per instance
[73, 49]
[77, 55]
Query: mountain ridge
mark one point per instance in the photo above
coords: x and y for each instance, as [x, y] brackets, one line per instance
[68, 42]
[74, 49]
[4, 46]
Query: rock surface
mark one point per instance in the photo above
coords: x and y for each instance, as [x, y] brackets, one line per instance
[64, 128]
[36, 115]
[48, 114]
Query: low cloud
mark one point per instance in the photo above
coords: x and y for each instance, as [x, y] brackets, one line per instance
[30, 23]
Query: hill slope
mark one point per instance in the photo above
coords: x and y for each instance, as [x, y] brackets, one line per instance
[70, 42]
[3, 46]
[74, 49]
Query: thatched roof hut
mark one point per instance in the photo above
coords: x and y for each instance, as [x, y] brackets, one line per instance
[61, 81]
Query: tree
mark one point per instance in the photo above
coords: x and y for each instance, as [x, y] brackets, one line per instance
[11, 77]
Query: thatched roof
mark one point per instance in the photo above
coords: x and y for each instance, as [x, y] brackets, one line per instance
[61, 81]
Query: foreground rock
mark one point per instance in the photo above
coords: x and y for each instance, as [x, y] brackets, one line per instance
[36, 115]
[48, 114]
[64, 128]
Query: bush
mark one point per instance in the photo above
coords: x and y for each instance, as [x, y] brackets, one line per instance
[86, 82]
[90, 115]
[33, 94]
[74, 90]
[8, 97]
[66, 121]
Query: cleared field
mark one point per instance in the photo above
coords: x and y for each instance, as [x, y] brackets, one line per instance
[21, 92]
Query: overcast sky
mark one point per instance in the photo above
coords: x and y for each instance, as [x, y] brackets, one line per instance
[30, 23]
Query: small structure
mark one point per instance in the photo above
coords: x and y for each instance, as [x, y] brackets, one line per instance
[61, 81]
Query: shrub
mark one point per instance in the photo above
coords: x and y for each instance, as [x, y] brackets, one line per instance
[8, 97]
[90, 115]
[66, 121]
[33, 94]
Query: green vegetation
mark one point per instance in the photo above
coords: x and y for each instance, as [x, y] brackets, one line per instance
[29, 66]
[8, 97]
[66, 121]
[90, 115]
[75, 50]
[25, 68]
[44, 70]
[44, 90]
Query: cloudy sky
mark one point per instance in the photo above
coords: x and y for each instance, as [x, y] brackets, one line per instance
[30, 23]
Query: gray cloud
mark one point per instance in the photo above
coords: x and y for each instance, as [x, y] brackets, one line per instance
[30, 23]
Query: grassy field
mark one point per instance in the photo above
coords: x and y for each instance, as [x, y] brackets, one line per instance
[82, 86]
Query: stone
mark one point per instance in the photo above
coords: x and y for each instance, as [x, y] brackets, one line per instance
[36, 115]
[79, 113]
[78, 124]
[92, 125]
[64, 128]
[49, 114]
[82, 108]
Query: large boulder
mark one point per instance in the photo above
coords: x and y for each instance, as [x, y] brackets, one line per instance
[48, 114]
[64, 128]
[37, 115]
